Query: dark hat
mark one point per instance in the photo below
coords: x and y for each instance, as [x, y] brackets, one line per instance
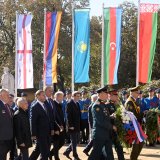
[151, 89]
[23, 94]
[124, 92]
[103, 89]
[134, 89]
[158, 90]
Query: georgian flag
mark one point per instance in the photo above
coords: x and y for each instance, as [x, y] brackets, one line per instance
[24, 52]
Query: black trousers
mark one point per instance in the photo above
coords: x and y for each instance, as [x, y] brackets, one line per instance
[5, 147]
[136, 150]
[58, 142]
[96, 153]
[24, 154]
[36, 152]
[44, 147]
[118, 146]
[89, 145]
[13, 151]
[85, 130]
[73, 145]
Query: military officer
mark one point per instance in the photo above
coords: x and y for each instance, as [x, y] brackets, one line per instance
[112, 106]
[132, 106]
[102, 127]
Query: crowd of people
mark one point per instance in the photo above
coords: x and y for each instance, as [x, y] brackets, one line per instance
[52, 120]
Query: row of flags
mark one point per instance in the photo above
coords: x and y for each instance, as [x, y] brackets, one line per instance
[111, 46]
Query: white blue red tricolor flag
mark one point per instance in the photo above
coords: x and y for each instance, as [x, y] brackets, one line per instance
[24, 52]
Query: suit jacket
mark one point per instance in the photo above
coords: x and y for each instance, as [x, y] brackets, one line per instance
[52, 114]
[73, 116]
[6, 123]
[59, 116]
[41, 122]
[22, 128]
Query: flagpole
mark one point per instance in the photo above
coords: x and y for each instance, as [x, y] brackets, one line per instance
[16, 55]
[102, 56]
[44, 46]
[72, 45]
[137, 69]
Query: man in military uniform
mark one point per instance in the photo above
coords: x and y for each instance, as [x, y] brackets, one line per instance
[132, 106]
[112, 106]
[102, 127]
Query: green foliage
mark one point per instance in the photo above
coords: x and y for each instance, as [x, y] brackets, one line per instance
[152, 124]
[120, 129]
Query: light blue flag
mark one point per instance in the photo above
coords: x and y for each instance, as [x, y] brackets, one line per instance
[81, 45]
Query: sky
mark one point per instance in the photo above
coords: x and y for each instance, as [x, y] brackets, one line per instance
[96, 5]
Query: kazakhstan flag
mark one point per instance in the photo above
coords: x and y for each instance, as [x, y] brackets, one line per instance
[81, 45]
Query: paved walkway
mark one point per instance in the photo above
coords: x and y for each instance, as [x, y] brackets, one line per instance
[148, 153]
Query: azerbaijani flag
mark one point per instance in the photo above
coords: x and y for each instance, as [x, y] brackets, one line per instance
[52, 27]
[112, 44]
[147, 41]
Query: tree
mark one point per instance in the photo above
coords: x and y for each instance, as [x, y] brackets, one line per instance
[7, 34]
[127, 66]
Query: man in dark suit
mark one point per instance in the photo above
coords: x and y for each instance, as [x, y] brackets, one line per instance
[22, 128]
[50, 105]
[73, 120]
[42, 124]
[6, 124]
[58, 138]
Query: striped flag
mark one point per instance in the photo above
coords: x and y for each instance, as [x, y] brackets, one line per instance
[52, 28]
[147, 41]
[24, 52]
[112, 44]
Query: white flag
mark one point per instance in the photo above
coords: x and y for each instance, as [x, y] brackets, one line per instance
[24, 52]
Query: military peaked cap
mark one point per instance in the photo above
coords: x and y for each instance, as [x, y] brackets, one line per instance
[103, 89]
[134, 89]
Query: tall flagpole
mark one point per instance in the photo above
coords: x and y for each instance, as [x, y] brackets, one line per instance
[16, 78]
[44, 52]
[137, 69]
[102, 59]
[72, 2]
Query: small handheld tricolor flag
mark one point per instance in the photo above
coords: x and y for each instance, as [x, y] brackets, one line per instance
[147, 41]
[52, 28]
[111, 44]
[24, 63]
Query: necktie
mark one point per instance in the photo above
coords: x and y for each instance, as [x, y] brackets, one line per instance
[50, 102]
[45, 108]
[8, 110]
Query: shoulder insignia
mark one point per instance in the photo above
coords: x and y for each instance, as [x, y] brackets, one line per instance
[97, 109]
